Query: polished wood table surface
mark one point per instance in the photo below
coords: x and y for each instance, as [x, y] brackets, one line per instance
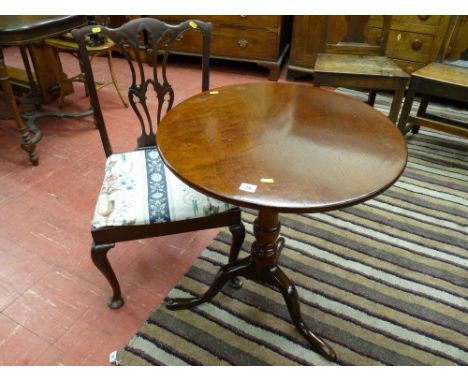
[279, 147]
[21, 30]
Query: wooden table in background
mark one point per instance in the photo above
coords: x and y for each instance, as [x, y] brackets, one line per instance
[23, 31]
[279, 147]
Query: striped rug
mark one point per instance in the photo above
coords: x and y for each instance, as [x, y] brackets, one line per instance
[384, 282]
[383, 102]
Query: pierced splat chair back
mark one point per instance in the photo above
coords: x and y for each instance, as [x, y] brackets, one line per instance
[354, 40]
[141, 40]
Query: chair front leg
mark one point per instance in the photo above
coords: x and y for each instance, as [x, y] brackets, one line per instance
[99, 257]
[238, 236]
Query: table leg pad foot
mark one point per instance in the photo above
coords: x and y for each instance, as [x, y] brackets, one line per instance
[236, 283]
[278, 278]
[34, 159]
[230, 271]
[115, 303]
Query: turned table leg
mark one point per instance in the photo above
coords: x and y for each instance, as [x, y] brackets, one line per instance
[27, 144]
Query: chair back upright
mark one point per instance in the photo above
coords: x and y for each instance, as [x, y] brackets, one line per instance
[140, 41]
[354, 40]
[445, 48]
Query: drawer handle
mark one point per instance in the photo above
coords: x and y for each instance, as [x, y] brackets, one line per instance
[180, 37]
[423, 18]
[409, 69]
[243, 42]
[243, 16]
[416, 44]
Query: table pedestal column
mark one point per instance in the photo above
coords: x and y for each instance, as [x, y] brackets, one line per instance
[262, 265]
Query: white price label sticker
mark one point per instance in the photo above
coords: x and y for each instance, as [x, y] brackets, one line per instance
[113, 358]
[248, 187]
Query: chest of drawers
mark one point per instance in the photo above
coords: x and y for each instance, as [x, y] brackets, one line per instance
[413, 41]
[263, 40]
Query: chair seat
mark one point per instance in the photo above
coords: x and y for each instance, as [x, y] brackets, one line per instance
[358, 65]
[139, 189]
[446, 73]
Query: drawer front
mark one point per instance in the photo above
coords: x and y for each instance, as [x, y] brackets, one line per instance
[259, 21]
[410, 46]
[233, 42]
[415, 24]
[422, 20]
[405, 45]
[252, 21]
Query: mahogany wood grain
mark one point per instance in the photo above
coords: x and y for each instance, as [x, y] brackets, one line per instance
[322, 150]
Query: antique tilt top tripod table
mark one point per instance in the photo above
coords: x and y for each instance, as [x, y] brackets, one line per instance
[277, 147]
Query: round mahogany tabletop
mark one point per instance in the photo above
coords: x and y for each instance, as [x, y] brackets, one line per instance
[282, 146]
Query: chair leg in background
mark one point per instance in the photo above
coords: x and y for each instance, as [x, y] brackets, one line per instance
[238, 236]
[371, 97]
[405, 112]
[27, 143]
[63, 79]
[99, 257]
[114, 79]
[421, 111]
[396, 104]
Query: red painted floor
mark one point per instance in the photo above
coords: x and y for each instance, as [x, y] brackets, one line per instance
[52, 299]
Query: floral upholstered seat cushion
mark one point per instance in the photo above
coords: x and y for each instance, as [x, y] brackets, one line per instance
[139, 189]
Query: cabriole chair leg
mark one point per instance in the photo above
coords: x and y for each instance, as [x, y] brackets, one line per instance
[99, 257]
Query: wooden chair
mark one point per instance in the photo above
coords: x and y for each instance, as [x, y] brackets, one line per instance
[443, 78]
[354, 63]
[140, 197]
[65, 43]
